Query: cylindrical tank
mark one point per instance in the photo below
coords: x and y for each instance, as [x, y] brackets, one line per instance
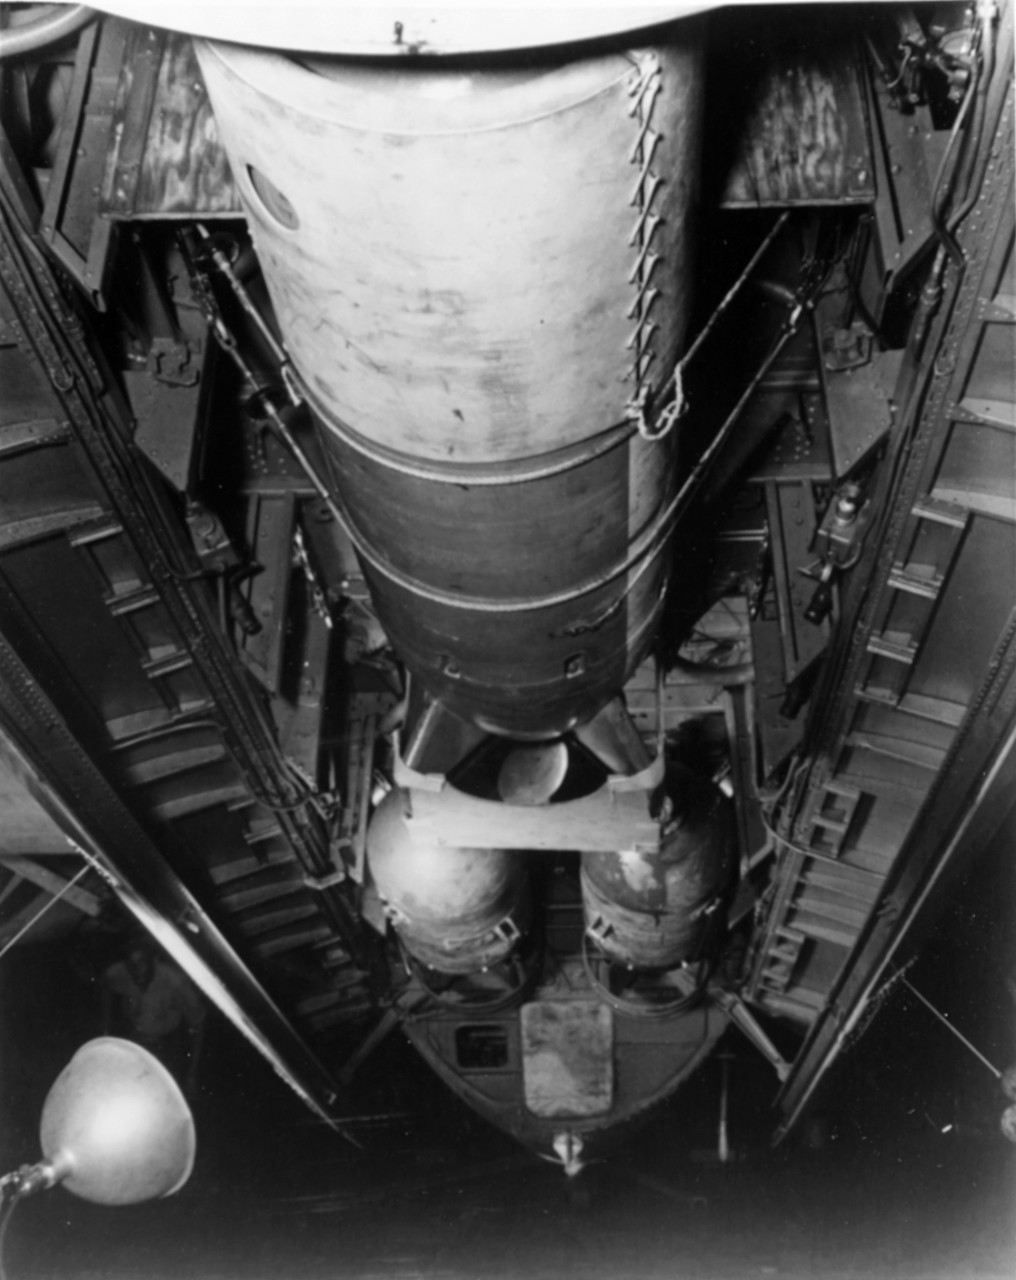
[456, 910]
[478, 274]
[656, 910]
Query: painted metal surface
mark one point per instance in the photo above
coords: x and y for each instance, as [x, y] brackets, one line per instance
[606, 820]
[910, 753]
[115, 1126]
[474, 340]
[409, 32]
[657, 909]
[486, 291]
[165, 159]
[458, 910]
[914, 727]
[567, 1058]
[83, 243]
[649, 1063]
[802, 120]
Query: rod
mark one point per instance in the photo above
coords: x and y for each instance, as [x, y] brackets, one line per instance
[735, 289]
[723, 1144]
[243, 297]
[39, 914]
[958, 1034]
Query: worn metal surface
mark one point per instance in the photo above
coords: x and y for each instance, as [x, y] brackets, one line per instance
[785, 643]
[803, 135]
[567, 1058]
[500, 283]
[650, 1061]
[906, 152]
[152, 686]
[511, 350]
[858, 402]
[457, 909]
[603, 821]
[165, 159]
[82, 241]
[657, 909]
[541, 668]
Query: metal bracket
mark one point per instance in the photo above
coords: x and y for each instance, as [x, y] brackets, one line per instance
[507, 930]
[745, 1021]
[329, 881]
[72, 197]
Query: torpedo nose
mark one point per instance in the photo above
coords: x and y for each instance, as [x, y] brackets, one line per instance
[531, 774]
[482, 282]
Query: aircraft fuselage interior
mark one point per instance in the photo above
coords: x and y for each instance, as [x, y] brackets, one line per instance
[508, 523]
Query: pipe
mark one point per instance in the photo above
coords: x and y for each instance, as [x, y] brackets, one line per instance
[62, 21]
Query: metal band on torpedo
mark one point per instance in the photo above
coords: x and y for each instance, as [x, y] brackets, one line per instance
[509, 473]
[486, 604]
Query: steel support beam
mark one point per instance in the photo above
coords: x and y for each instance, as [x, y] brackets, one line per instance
[39, 749]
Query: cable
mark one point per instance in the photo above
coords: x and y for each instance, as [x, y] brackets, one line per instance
[729, 297]
[798, 849]
[985, 69]
[941, 191]
[11, 1199]
[958, 1034]
[39, 914]
[643, 550]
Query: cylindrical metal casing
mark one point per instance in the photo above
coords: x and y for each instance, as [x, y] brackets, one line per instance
[456, 910]
[476, 274]
[656, 910]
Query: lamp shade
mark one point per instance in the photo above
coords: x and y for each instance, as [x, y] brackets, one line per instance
[115, 1126]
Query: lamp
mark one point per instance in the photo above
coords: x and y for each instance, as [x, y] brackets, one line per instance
[115, 1129]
